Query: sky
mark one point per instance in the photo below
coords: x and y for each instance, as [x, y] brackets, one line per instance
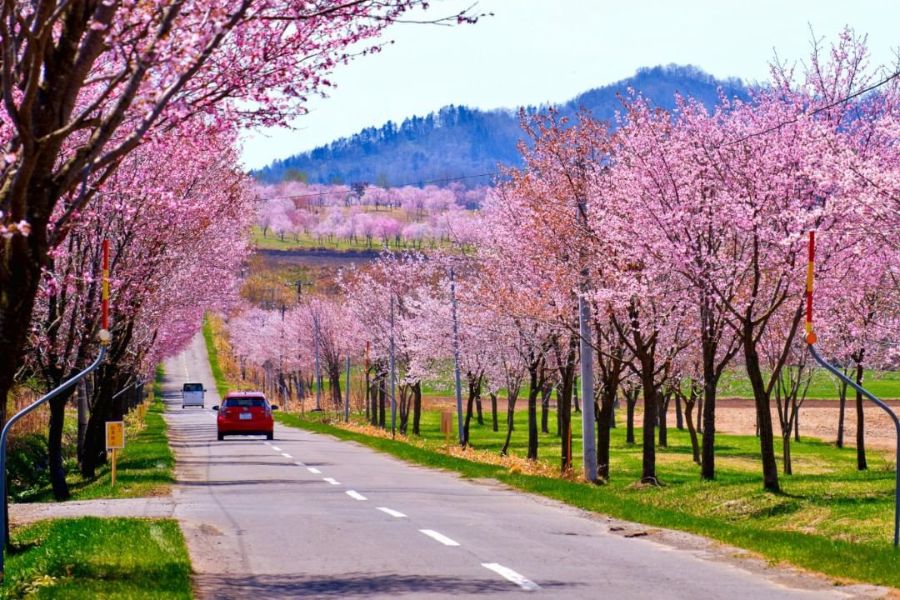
[537, 51]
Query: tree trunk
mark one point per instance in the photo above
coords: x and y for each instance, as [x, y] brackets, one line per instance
[861, 463]
[786, 449]
[532, 424]
[679, 416]
[842, 407]
[630, 402]
[21, 259]
[54, 447]
[479, 414]
[545, 413]
[707, 403]
[692, 431]
[763, 409]
[417, 407]
[564, 406]
[382, 401]
[494, 423]
[83, 414]
[664, 400]
[604, 421]
[510, 421]
[648, 459]
[796, 412]
[469, 405]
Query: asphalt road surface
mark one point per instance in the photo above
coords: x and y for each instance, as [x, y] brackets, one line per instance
[308, 516]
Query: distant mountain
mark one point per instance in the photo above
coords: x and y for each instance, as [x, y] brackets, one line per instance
[458, 141]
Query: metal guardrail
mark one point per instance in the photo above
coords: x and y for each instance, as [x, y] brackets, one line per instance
[4, 435]
[881, 404]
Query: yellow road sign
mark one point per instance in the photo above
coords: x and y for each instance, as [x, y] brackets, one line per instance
[115, 435]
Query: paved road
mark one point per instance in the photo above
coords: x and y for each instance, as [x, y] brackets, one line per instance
[309, 516]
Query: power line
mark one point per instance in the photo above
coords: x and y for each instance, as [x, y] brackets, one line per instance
[816, 111]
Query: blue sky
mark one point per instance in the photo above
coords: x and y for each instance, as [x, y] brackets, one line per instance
[534, 51]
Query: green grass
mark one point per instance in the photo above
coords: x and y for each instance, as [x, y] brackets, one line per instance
[306, 241]
[209, 336]
[884, 384]
[734, 384]
[827, 513]
[98, 558]
[145, 466]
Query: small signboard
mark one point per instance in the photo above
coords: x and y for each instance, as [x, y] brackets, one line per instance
[115, 435]
[446, 423]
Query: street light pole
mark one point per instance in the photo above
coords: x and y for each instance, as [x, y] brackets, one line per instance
[589, 446]
[393, 375]
[457, 373]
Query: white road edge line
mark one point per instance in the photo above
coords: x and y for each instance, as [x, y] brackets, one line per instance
[439, 537]
[299, 464]
[286, 455]
[331, 480]
[276, 448]
[392, 512]
[509, 574]
[314, 470]
[355, 495]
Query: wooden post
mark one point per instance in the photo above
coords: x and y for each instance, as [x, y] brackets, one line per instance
[113, 467]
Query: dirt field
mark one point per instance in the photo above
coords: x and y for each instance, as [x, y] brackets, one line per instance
[818, 419]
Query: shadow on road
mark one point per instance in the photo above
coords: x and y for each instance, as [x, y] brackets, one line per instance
[353, 585]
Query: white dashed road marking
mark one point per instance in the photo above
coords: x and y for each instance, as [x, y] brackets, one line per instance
[299, 464]
[392, 512]
[509, 574]
[314, 470]
[286, 455]
[276, 448]
[331, 480]
[355, 495]
[439, 537]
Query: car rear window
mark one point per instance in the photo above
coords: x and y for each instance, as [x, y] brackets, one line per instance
[252, 402]
[193, 387]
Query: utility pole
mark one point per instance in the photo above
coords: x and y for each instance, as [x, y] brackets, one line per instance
[318, 370]
[457, 374]
[393, 375]
[589, 445]
[587, 391]
[347, 394]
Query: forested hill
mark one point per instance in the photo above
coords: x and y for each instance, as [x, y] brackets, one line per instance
[460, 141]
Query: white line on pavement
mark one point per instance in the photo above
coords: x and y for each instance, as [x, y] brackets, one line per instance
[439, 537]
[516, 578]
[392, 512]
[355, 495]
[314, 470]
[276, 448]
[286, 455]
[299, 464]
[331, 480]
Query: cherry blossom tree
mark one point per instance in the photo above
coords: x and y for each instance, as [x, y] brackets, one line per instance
[85, 83]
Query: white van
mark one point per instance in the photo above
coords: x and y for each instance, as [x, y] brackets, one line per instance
[192, 395]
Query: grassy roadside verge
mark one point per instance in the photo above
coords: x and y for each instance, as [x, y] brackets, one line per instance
[732, 510]
[145, 466]
[98, 558]
[209, 336]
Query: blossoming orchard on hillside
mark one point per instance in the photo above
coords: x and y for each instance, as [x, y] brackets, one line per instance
[684, 232]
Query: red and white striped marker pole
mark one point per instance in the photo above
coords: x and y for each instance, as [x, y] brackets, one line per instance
[105, 335]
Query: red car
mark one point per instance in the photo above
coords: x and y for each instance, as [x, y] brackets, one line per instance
[245, 413]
